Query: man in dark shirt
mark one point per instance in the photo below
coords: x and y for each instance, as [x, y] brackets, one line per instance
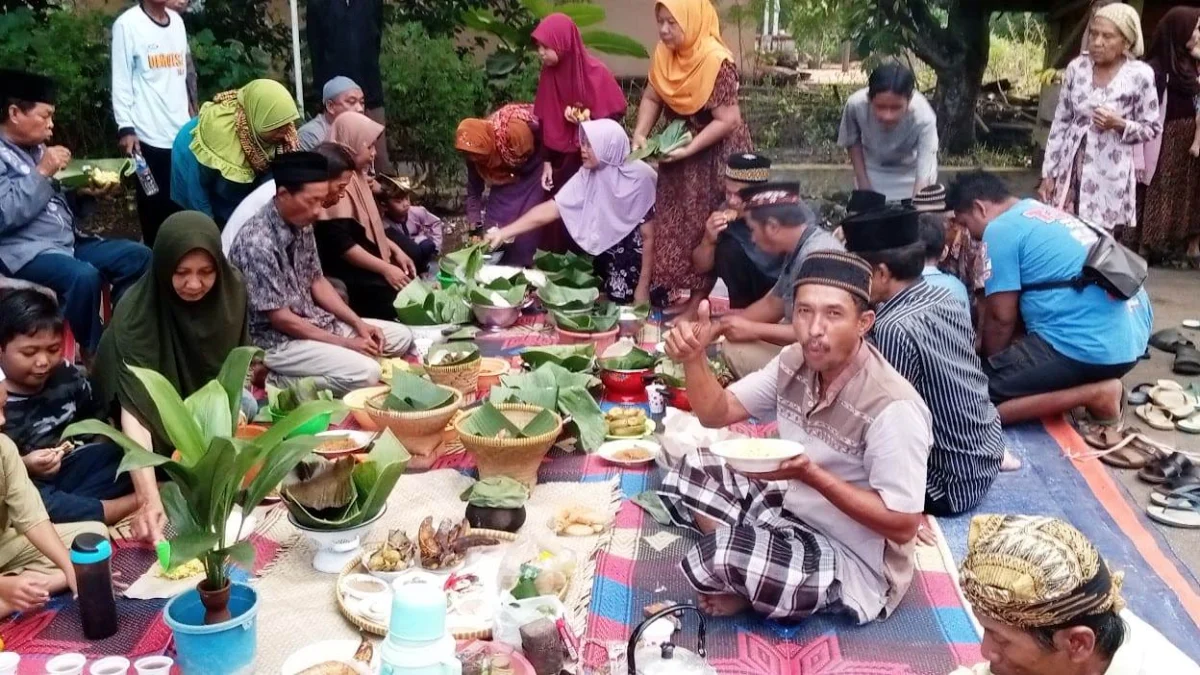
[344, 38]
[45, 395]
[927, 336]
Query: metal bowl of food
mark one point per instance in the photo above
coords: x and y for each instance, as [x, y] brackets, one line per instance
[495, 318]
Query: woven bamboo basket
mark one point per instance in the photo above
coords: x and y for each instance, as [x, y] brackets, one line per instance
[463, 376]
[420, 432]
[517, 458]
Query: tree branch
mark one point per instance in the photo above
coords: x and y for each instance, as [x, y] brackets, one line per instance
[925, 35]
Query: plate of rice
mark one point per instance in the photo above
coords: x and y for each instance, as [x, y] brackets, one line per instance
[756, 455]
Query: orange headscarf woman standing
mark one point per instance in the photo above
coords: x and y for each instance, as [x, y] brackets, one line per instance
[504, 159]
[693, 76]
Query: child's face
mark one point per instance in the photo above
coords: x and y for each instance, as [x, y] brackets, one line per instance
[398, 208]
[28, 360]
[3, 402]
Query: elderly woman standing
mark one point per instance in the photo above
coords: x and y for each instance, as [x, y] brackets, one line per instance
[1107, 106]
[1171, 213]
[890, 133]
[693, 77]
[504, 158]
[219, 156]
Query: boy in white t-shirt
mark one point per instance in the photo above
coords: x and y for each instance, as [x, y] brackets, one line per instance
[150, 97]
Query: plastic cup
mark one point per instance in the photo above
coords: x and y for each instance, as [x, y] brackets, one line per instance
[154, 665]
[66, 664]
[110, 665]
[9, 662]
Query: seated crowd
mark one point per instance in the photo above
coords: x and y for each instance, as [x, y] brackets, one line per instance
[874, 346]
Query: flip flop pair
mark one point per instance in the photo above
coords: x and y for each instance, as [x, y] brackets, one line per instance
[1178, 508]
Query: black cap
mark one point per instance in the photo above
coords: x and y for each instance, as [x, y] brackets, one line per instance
[25, 86]
[865, 200]
[770, 194]
[882, 229]
[296, 168]
[747, 167]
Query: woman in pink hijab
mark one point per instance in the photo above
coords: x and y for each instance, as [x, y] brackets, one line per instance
[572, 83]
[608, 210]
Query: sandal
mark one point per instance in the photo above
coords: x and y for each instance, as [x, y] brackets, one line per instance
[1155, 417]
[1173, 398]
[1173, 496]
[1167, 468]
[1187, 360]
[1140, 394]
[1190, 424]
[1132, 453]
[1180, 509]
[1168, 340]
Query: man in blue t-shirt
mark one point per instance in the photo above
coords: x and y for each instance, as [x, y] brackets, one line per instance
[1077, 343]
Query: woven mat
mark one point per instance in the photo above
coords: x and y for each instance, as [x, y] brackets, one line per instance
[56, 629]
[931, 633]
[298, 605]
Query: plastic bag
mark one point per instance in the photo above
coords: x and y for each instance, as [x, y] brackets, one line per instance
[682, 434]
[540, 551]
[515, 613]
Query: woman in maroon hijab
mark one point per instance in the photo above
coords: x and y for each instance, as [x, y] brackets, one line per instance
[572, 82]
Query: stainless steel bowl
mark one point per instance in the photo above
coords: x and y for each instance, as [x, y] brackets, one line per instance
[495, 318]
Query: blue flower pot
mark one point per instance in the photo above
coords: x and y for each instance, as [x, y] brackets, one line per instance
[226, 648]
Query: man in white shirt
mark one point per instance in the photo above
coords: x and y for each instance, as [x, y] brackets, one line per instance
[341, 94]
[150, 98]
[1049, 605]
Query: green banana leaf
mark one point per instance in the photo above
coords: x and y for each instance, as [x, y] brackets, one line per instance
[673, 137]
[463, 264]
[301, 391]
[636, 359]
[670, 373]
[615, 44]
[569, 391]
[562, 298]
[603, 318]
[575, 358]
[419, 305]
[75, 176]
[413, 394]
[585, 414]
[497, 492]
[490, 422]
[573, 278]
[645, 151]
[376, 478]
[560, 262]
[452, 354]
[639, 311]
[361, 489]
[512, 296]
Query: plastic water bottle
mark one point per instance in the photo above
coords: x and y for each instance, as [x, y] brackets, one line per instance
[91, 556]
[142, 169]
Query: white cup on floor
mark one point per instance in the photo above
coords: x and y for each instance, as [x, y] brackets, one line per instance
[9, 662]
[110, 665]
[66, 664]
[153, 665]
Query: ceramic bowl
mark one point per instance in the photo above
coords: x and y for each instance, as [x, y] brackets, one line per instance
[756, 455]
[335, 548]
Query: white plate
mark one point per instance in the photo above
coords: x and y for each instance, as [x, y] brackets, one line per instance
[609, 450]
[361, 440]
[781, 450]
[329, 650]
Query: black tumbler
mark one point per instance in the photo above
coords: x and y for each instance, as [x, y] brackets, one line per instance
[91, 556]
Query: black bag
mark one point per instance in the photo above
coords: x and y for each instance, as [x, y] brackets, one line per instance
[1109, 265]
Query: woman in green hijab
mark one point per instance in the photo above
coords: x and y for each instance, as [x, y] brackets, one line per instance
[220, 156]
[181, 319]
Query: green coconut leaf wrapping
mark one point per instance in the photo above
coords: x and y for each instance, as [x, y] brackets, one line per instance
[415, 394]
[603, 318]
[575, 358]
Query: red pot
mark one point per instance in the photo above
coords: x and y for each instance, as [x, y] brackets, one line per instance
[625, 386]
[602, 340]
[678, 398]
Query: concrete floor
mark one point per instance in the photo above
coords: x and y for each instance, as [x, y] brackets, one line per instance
[1175, 298]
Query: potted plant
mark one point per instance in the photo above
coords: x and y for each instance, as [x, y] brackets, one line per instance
[214, 623]
[496, 503]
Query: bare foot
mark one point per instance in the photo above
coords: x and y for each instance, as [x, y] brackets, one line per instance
[1010, 462]
[722, 604]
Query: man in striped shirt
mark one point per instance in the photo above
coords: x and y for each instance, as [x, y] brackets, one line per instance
[926, 334]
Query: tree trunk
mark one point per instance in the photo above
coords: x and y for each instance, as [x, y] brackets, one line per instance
[959, 82]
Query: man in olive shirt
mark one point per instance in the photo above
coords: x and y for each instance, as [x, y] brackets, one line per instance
[34, 562]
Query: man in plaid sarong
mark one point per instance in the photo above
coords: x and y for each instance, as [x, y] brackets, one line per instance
[833, 529]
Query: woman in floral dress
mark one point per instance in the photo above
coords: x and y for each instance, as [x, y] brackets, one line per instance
[693, 77]
[1107, 106]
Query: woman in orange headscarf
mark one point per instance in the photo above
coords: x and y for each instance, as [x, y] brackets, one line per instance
[504, 159]
[693, 76]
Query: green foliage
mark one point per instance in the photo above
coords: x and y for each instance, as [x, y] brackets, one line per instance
[209, 478]
[345, 493]
[248, 22]
[553, 387]
[73, 49]
[227, 64]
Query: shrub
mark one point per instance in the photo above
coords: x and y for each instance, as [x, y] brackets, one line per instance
[73, 49]
[225, 65]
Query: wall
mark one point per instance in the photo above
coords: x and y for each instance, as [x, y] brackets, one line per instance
[636, 19]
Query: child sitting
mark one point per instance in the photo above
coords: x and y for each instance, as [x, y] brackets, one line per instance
[933, 237]
[417, 224]
[45, 395]
[34, 562]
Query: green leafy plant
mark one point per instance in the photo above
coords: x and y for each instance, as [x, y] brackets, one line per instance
[603, 318]
[564, 299]
[489, 421]
[575, 358]
[209, 477]
[673, 137]
[411, 393]
[339, 495]
[514, 37]
[553, 387]
[419, 305]
[497, 492]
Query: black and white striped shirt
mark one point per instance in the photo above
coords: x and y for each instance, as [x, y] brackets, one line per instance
[926, 334]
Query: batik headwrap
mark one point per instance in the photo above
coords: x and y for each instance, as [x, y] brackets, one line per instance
[1036, 572]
